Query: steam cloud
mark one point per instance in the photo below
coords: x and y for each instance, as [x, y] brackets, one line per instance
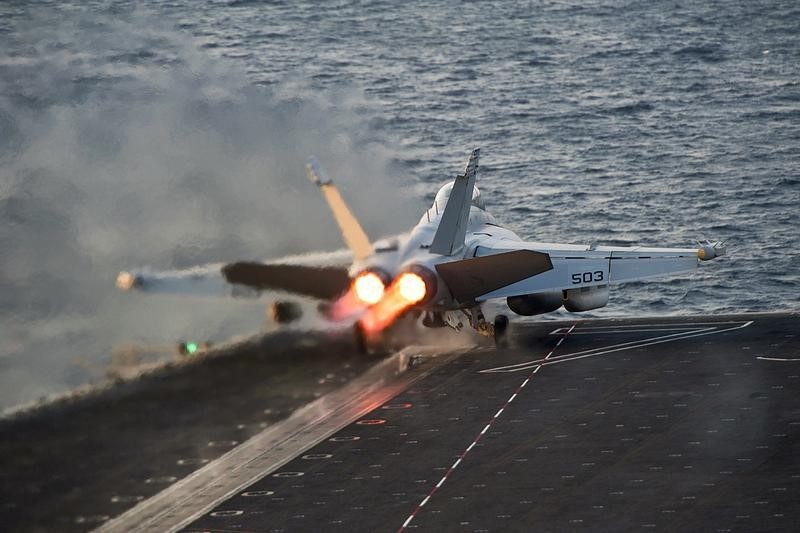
[122, 145]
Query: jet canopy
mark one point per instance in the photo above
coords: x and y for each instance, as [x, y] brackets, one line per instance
[442, 196]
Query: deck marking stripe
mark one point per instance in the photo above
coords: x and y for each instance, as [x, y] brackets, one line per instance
[674, 326]
[478, 438]
[611, 348]
[631, 344]
[538, 363]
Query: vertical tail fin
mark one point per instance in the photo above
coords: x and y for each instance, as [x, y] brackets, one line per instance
[452, 230]
[352, 232]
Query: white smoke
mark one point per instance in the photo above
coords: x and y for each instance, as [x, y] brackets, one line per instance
[124, 146]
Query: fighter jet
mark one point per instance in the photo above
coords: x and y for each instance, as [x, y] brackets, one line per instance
[440, 273]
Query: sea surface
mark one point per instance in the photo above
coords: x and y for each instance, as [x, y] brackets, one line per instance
[167, 134]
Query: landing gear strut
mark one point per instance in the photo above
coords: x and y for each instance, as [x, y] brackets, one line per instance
[478, 322]
[369, 344]
[498, 329]
[360, 338]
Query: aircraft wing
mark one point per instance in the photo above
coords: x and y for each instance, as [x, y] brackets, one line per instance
[468, 279]
[321, 276]
[634, 264]
[577, 266]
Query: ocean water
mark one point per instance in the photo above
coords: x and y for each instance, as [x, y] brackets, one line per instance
[169, 134]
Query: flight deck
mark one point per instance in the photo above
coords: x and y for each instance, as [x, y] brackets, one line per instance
[677, 423]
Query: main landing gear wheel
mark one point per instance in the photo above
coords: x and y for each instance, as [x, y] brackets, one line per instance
[501, 331]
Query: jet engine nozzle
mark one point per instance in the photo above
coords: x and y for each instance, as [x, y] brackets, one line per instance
[416, 284]
[370, 285]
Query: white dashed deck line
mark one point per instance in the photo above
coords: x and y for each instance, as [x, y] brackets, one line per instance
[479, 436]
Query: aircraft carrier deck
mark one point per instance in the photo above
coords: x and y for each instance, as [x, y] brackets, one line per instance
[678, 423]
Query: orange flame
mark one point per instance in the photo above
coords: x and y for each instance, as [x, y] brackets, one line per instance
[369, 288]
[404, 292]
[347, 306]
[366, 289]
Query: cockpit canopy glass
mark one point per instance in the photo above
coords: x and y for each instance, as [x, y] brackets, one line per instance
[444, 193]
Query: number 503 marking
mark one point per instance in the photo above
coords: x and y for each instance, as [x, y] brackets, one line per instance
[588, 277]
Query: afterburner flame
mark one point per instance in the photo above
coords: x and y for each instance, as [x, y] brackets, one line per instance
[346, 307]
[411, 287]
[405, 291]
[365, 290]
[369, 288]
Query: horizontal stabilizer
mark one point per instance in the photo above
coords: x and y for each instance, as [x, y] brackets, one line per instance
[352, 232]
[469, 278]
[324, 283]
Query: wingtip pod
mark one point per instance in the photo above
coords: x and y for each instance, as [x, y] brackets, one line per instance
[316, 173]
[710, 250]
[127, 281]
